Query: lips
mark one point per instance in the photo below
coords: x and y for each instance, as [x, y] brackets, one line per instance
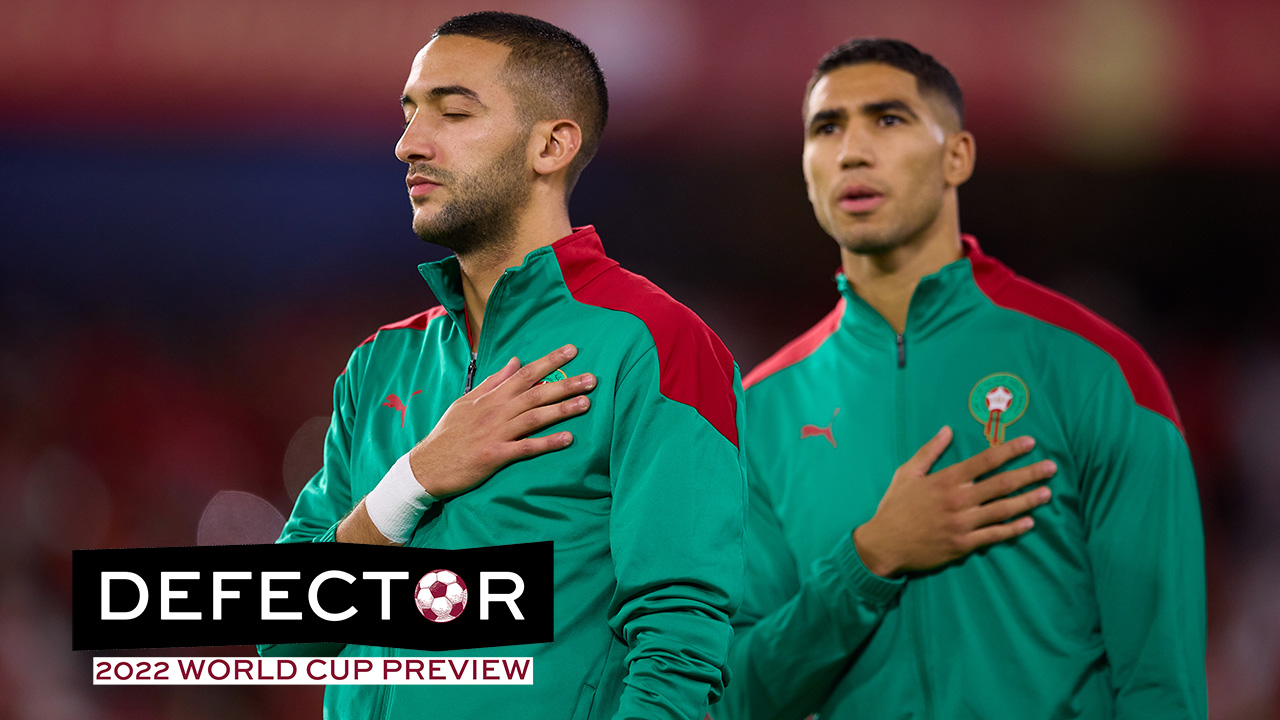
[420, 186]
[859, 199]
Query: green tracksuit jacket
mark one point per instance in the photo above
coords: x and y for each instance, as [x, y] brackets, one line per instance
[646, 508]
[1098, 612]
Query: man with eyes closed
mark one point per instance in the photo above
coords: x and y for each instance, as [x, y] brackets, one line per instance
[618, 443]
[1099, 612]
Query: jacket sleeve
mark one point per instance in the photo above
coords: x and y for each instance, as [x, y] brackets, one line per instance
[323, 502]
[676, 534]
[796, 632]
[1145, 544]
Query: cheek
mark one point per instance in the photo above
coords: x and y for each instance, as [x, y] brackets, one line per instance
[816, 168]
[923, 174]
[810, 181]
[810, 191]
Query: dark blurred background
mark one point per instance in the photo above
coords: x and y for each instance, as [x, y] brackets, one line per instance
[201, 216]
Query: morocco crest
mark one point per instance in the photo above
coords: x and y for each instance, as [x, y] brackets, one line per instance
[997, 401]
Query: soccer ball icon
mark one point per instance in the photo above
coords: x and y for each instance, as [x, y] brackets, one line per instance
[441, 596]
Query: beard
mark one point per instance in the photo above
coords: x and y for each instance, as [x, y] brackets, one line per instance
[481, 214]
[878, 244]
[882, 241]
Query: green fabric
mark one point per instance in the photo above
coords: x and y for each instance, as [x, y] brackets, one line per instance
[642, 606]
[1098, 612]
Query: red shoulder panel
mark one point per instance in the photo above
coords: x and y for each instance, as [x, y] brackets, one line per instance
[798, 349]
[1013, 292]
[695, 367]
[415, 322]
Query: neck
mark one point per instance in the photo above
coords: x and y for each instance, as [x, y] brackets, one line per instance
[886, 281]
[536, 227]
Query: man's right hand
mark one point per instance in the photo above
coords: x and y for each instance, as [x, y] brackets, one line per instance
[486, 429]
[489, 426]
[929, 519]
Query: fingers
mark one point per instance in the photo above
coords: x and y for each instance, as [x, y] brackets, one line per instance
[534, 420]
[1013, 480]
[529, 447]
[532, 373]
[548, 393]
[993, 457]
[499, 377]
[1001, 510]
[928, 454]
[999, 532]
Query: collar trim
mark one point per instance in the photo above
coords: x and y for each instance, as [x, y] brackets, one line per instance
[581, 257]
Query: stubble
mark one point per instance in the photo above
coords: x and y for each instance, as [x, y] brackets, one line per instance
[480, 215]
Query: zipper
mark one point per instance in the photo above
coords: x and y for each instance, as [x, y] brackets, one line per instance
[479, 344]
[471, 374]
[914, 605]
[471, 369]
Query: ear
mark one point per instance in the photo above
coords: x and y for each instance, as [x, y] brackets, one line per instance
[553, 144]
[959, 159]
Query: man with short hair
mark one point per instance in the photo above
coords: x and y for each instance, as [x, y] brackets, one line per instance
[1097, 613]
[502, 112]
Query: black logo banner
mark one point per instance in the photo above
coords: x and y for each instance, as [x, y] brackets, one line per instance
[402, 597]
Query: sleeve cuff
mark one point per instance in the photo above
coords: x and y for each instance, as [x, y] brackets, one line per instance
[871, 587]
[330, 535]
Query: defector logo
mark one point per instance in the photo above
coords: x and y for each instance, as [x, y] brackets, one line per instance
[312, 593]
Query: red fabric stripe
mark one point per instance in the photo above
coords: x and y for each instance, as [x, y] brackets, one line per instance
[798, 349]
[416, 322]
[466, 316]
[1010, 291]
[695, 367]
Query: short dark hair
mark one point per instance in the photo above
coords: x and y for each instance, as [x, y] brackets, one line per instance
[553, 73]
[930, 74]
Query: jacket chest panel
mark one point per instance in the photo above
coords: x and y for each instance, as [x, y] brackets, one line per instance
[835, 460]
[560, 488]
[838, 464]
[990, 392]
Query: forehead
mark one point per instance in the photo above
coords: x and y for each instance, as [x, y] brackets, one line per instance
[457, 60]
[852, 86]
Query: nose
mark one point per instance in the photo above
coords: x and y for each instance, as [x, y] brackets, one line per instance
[856, 148]
[417, 142]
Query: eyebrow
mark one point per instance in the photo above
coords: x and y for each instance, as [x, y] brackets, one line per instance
[822, 117]
[444, 91]
[884, 106]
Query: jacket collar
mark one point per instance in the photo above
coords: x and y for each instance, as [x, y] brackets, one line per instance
[544, 275]
[938, 300]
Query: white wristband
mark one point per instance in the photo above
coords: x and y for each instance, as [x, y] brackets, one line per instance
[397, 502]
